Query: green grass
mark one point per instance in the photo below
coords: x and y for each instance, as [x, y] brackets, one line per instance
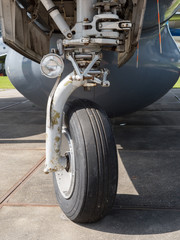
[5, 83]
[177, 85]
[175, 18]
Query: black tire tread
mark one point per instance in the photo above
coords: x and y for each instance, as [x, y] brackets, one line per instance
[101, 161]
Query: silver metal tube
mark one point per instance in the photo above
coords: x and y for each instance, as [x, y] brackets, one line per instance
[57, 17]
[85, 10]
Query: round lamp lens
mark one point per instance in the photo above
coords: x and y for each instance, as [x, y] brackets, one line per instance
[52, 65]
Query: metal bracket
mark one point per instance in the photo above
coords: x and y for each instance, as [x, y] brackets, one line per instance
[89, 74]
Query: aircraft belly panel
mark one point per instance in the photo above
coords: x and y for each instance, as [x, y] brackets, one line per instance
[131, 88]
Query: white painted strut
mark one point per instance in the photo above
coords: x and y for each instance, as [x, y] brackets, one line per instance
[85, 10]
[57, 17]
[54, 160]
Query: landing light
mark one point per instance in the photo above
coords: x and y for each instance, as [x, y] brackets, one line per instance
[52, 65]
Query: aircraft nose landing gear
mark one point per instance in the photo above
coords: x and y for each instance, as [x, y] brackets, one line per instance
[85, 175]
[80, 149]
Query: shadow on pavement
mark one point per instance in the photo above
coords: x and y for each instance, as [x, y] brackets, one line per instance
[156, 208]
[138, 222]
[155, 176]
[20, 118]
[148, 199]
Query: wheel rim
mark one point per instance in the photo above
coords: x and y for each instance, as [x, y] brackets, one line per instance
[66, 178]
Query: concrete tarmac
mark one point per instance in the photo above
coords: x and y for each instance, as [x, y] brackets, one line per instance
[147, 205]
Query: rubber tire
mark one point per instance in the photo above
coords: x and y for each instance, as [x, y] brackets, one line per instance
[95, 163]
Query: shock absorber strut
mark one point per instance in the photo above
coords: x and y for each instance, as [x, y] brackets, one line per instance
[98, 25]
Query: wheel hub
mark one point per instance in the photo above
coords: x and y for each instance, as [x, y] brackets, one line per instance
[66, 178]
